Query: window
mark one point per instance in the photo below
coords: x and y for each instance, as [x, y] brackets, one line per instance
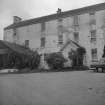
[42, 26]
[92, 18]
[42, 42]
[92, 13]
[60, 34]
[76, 37]
[15, 36]
[93, 36]
[60, 39]
[60, 28]
[60, 31]
[60, 22]
[26, 43]
[76, 20]
[14, 32]
[94, 54]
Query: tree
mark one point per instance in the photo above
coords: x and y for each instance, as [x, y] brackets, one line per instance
[73, 56]
[35, 60]
[20, 61]
[77, 56]
[80, 54]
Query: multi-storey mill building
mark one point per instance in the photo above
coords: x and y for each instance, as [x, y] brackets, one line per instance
[85, 26]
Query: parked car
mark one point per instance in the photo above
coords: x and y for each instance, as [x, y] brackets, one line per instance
[100, 65]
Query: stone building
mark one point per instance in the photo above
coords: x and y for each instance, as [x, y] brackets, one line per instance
[85, 26]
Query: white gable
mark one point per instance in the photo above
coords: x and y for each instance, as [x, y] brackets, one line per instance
[68, 48]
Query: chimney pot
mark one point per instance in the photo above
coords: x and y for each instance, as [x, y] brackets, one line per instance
[59, 11]
[16, 19]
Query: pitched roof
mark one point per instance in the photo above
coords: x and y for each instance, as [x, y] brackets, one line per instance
[67, 43]
[79, 11]
[16, 48]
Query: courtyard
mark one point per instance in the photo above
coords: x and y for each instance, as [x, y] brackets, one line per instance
[56, 88]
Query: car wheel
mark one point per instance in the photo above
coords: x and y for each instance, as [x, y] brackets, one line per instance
[100, 69]
[97, 69]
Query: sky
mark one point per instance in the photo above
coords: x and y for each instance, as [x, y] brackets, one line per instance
[27, 9]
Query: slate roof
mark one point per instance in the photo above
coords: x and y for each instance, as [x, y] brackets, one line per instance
[79, 11]
[15, 47]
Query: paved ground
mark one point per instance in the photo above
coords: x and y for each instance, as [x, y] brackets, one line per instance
[61, 88]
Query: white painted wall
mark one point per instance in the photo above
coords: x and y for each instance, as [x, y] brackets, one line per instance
[84, 34]
[33, 34]
[8, 35]
[100, 15]
[51, 34]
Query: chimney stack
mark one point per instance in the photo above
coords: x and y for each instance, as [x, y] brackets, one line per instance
[16, 19]
[59, 11]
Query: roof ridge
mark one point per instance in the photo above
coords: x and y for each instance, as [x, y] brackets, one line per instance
[76, 11]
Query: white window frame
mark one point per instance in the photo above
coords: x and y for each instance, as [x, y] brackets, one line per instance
[94, 54]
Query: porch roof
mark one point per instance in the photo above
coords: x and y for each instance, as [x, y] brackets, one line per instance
[14, 47]
[67, 43]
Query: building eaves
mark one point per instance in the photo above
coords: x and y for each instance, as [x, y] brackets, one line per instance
[79, 11]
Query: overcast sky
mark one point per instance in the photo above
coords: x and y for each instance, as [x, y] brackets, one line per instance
[34, 8]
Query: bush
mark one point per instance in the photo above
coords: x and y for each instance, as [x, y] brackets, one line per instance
[81, 52]
[14, 60]
[55, 60]
[34, 60]
[20, 61]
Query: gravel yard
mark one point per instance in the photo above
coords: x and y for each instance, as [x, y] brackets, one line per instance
[59, 88]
